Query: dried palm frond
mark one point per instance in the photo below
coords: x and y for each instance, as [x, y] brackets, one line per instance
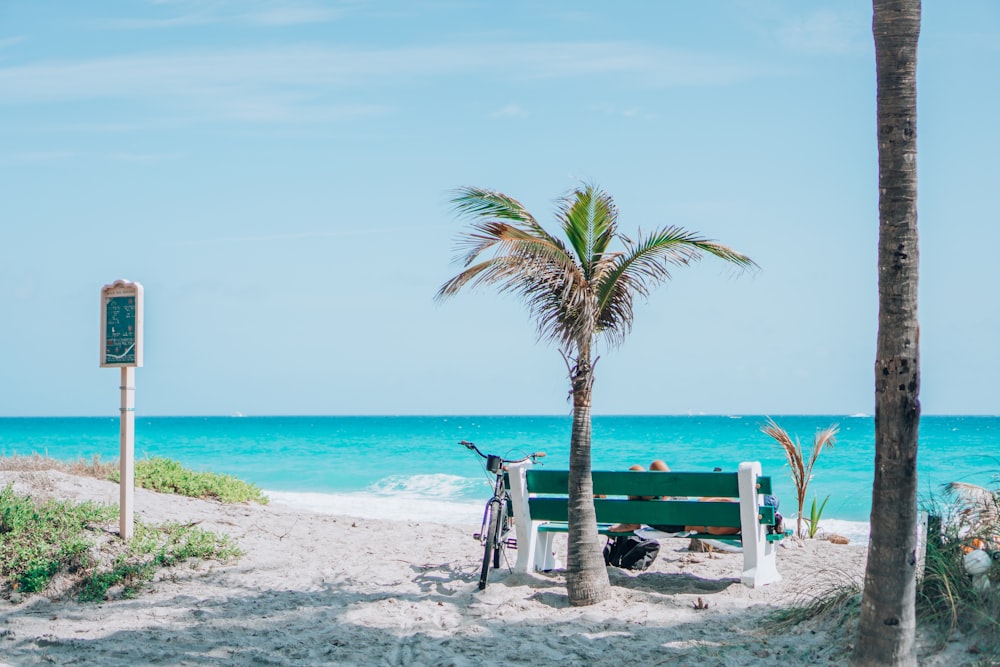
[801, 468]
[977, 507]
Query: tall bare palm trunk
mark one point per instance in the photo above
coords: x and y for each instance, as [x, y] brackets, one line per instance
[586, 575]
[887, 627]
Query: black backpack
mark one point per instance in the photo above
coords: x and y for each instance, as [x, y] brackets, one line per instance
[631, 552]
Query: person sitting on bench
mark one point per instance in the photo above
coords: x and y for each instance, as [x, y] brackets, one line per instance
[661, 466]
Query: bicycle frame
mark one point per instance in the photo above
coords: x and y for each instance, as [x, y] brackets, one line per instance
[496, 517]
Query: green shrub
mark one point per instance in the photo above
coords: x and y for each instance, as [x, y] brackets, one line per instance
[169, 476]
[39, 540]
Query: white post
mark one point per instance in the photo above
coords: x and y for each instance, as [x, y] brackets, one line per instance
[121, 347]
[126, 463]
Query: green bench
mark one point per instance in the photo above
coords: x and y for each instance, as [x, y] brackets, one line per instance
[539, 504]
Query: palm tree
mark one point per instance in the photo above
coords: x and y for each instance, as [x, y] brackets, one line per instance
[577, 292]
[887, 627]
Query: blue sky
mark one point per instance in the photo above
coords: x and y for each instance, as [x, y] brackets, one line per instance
[277, 176]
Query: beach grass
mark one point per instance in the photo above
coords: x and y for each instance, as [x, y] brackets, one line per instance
[66, 548]
[831, 594]
[948, 601]
[965, 518]
[157, 474]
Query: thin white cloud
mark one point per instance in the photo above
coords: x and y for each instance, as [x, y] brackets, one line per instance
[37, 156]
[284, 16]
[627, 112]
[293, 236]
[242, 12]
[144, 157]
[155, 24]
[28, 157]
[310, 84]
[7, 42]
[825, 31]
[509, 111]
[194, 71]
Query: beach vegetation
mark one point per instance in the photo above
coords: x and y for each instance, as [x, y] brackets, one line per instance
[169, 476]
[964, 519]
[579, 288]
[834, 594]
[67, 548]
[949, 603]
[815, 514]
[801, 467]
[156, 474]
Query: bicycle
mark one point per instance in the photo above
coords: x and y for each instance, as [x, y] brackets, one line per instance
[496, 519]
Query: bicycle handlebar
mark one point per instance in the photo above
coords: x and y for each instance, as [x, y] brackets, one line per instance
[472, 446]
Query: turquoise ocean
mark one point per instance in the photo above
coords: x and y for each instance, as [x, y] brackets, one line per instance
[411, 468]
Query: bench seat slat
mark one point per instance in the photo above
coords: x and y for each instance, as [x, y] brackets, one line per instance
[650, 512]
[605, 529]
[628, 483]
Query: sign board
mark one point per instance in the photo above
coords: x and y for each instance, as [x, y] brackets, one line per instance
[121, 324]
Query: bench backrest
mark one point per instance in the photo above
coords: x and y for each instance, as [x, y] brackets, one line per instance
[548, 492]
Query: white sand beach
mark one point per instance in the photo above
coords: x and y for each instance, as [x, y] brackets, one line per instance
[314, 589]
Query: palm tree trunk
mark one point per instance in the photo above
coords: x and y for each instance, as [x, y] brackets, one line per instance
[887, 627]
[586, 574]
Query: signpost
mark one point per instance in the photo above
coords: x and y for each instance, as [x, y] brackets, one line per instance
[121, 347]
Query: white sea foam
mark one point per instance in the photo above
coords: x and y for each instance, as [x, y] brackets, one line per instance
[437, 486]
[439, 498]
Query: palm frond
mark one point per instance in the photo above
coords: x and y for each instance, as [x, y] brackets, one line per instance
[485, 204]
[825, 438]
[976, 503]
[576, 290]
[645, 264]
[531, 267]
[793, 452]
[589, 220]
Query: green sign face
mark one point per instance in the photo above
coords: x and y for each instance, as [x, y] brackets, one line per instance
[119, 312]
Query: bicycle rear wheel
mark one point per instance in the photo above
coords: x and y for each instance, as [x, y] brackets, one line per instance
[492, 540]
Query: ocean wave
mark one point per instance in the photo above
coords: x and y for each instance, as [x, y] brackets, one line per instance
[431, 486]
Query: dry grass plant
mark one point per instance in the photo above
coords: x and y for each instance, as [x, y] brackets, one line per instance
[37, 463]
[830, 593]
[801, 468]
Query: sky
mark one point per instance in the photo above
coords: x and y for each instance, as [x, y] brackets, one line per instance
[277, 175]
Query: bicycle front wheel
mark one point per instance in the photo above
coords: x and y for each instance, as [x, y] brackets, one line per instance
[499, 550]
[492, 539]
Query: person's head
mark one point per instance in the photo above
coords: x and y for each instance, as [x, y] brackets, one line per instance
[636, 468]
[659, 466]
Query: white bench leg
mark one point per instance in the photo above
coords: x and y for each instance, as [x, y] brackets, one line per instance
[545, 553]
[524, 529]
[760, 564]
[534, 551]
